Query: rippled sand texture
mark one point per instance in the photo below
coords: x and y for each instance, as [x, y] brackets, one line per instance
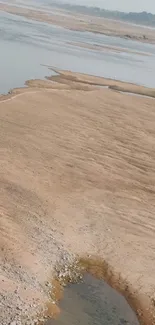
[77, 175]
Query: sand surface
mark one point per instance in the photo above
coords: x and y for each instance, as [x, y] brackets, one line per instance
[81, 22]
[77, 175]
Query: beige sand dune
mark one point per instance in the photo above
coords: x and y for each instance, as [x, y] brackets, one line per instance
[77, 175]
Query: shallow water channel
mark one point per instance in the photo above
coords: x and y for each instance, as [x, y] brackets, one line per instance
[93, 302]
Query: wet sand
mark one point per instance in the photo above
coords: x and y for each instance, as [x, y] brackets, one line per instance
[77, 180]
[85, 23]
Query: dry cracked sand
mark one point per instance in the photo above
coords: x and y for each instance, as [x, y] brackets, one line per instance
[77, 179]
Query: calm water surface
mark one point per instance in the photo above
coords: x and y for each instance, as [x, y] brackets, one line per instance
[93, 302]
[26, 45]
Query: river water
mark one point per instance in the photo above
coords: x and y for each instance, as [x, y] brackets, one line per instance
[27, 45]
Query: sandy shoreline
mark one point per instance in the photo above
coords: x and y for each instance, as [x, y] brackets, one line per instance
[77, 179]
[65, 79]
[84, 23]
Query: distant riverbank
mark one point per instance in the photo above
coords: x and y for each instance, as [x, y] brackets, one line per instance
[80, 22]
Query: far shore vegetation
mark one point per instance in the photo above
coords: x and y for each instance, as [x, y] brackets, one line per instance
[142, 18]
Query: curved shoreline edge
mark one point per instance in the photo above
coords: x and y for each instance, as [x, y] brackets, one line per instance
[66, 80]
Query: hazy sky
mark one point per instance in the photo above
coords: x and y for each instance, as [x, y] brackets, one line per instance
[124, 5]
